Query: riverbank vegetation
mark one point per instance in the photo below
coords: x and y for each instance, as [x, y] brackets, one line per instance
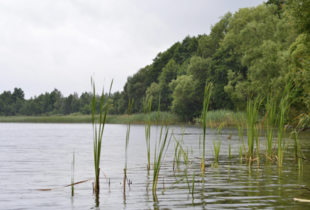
[255, 51]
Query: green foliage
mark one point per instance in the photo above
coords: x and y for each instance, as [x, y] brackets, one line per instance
[300, 68]
[257, 37]
[168, 73]
[298, 12]
[183, 103]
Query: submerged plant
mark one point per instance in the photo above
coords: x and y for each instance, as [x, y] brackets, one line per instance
[98, 132]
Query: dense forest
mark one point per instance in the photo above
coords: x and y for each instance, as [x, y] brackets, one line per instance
[255, 51]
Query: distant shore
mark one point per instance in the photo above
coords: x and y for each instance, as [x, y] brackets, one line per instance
[217, 118]
[77, 118]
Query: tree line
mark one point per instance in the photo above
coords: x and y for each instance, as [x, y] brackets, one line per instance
[53, 103]
[255, 51]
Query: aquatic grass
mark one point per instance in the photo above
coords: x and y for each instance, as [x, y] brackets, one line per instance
[217, 144]
[137, 118]
[127, 142]
[271, 107]
[159, 150]
[240, 152]
[252, 127]
[72, 175]
[186, 177]
[98, 132]
[282, 115]
[297, 151]
[193, 184]
[206, 102]
[180, 150]
[238, 119]
[220, 116]
[147, 111]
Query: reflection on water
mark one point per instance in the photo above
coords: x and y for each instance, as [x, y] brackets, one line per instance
[39, 156]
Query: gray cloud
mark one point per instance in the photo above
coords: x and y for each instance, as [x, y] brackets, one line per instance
[60, 44]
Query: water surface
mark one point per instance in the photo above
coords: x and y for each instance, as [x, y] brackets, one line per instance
[39, 156]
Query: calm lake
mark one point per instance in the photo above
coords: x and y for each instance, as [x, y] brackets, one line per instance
[39, 156]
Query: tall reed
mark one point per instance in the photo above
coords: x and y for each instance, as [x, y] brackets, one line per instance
[271, 107]
[98, 132]
[206, 102]
[127, 142]
[159, 153]
[147, 108]
[217, 144]
[239, 123]
[283, 113]
[252, 127]
[180, 151]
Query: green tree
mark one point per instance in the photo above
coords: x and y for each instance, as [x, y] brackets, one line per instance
[298, 12]
[183, 102]
[153, 92]
[168, 73]
[208, 44]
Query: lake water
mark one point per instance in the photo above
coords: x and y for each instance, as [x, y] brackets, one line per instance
[39, 156]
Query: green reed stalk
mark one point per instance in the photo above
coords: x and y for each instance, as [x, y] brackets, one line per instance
[283, 112]
[127, 142]
[147, 109]
[252, 129]
[239, 124]
[158, 156]
[206, 102]
[189, 188]
[181, 151]
[271, 107]
[72, 175]
[296, 146]
[193, 184]
[240, 152]
[217, 144]
[98, 132]
[176, 158]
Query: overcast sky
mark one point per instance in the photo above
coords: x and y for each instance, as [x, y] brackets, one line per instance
[47, 44]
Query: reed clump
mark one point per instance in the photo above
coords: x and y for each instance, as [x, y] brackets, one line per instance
[221, 116]
[98, 132]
